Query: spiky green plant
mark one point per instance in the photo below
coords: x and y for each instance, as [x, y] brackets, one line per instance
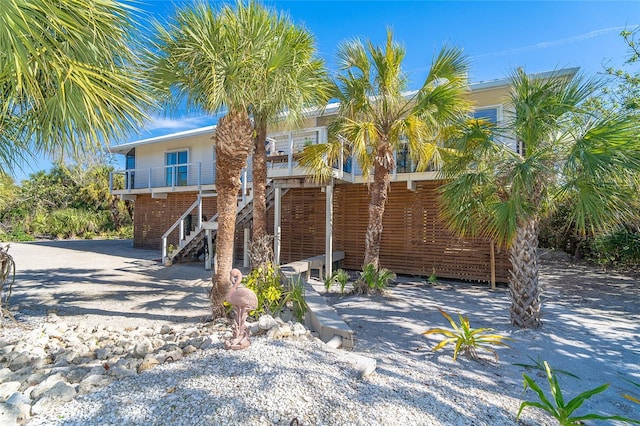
[538, 364]
[338, 277]
[467, 339]
[557, 407]
[295, 295]
[630, 397]
[373, 280]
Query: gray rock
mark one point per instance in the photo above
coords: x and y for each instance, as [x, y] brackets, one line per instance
[94, 382]
[75, 375]
[22, 403]
[8, 388]
[60, 393]
[65, 358]
[5, 373]
[189, 349]
[46, 385]
[9, 414]
[121, 372]
[143, 347]
[20, 361]
[254, 327]
[165, 329]
[103, 354]
[266, 322]
[299, 329]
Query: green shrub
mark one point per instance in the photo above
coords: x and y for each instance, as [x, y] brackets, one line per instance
[620, 248]
[264, 281]
[372, 280]
[340, 277]
[273, 297]
[557, 407]
[467, 339]
[295, 296]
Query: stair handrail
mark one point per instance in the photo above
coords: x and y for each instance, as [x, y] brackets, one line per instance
[180, 222]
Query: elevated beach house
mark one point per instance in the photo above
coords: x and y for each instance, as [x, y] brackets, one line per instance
[172, 181]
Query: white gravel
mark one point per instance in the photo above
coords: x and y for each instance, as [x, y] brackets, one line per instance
[275, 382]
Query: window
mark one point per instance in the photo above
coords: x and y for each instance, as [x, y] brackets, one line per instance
[488, 114]
[130, 164]
[176, 174]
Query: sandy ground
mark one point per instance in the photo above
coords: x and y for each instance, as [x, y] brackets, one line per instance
[591, 318]
[96, 281]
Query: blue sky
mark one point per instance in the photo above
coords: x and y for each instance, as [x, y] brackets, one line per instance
[497, 36]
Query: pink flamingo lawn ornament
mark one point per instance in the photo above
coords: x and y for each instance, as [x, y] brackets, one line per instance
[243, 301]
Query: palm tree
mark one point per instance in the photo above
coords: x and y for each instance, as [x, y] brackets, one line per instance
[290, 79]
[217, 63]
[68, 76]
[565, 149]
[377, 116]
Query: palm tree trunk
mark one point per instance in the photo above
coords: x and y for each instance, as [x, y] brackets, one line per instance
[378, 190]
[233, 141]
[523, 283]
[259, 184]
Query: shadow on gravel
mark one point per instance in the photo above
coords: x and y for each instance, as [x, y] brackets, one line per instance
[99, 278]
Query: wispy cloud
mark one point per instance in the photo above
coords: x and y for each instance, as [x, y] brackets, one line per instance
[182, 123]
[560, 42]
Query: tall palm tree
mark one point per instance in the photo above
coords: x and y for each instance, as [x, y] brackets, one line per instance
[291, 78]
[217, 61]
[68, 76]
[377, 116]
[565, 149]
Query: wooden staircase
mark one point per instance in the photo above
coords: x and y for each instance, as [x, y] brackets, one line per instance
[194, 243]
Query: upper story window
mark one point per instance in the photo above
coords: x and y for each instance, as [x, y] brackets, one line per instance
[130, 164]
[492, 114]
[175, 173]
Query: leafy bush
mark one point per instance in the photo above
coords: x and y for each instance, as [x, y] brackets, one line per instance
[556, 406]
[295, 296]
[467, 339]
[340, 277]
[273, 296]
[620, 248]
[65, 202]
[264, 281]
[372, 280]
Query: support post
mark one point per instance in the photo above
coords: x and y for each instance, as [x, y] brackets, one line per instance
[328, 193]
[247, 237]
[277, 219]
[493, 266]
[290, 156]
[209, 257]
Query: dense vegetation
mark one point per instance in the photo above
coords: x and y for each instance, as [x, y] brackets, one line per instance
[620, 246]
[66, 202]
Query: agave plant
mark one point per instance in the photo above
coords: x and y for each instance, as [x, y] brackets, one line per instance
[557, 407]
[467, 339]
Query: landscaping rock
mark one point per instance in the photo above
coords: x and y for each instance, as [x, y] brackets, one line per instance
[9, 414]
[7, 389]
[266, 322]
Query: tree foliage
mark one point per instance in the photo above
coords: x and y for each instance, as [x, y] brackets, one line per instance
[378, 116]
[566, 150]
[65, 202]
[69, 77]
[625, 93]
